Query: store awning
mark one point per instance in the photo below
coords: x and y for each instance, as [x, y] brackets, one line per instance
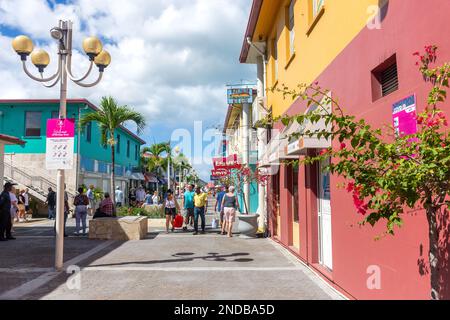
[276, 150]
[137, 176]
[300, 146]
[151, 178]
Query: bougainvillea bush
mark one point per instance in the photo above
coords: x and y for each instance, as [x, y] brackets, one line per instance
[387, 173]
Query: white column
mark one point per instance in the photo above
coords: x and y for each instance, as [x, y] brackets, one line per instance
[246, 151]
[262, 135]
[2, 164]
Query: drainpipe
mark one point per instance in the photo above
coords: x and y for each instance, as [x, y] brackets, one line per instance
[262, 134]
[77, 173]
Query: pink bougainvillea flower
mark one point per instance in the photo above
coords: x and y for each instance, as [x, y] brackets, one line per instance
[350, 186]
[343, 146]
[416, 53]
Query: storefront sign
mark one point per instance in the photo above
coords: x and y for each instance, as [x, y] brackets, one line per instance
[60, 144]
[228, 163]
[404, 116]
[220, 173]
[240, 95]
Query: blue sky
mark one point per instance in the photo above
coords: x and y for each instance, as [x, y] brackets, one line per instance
[171, 59]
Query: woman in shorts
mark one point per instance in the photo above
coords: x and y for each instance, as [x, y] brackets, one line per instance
[170, 208]
[230, 205]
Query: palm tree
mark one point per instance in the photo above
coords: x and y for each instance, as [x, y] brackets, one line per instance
[155, 162]
[110, 117]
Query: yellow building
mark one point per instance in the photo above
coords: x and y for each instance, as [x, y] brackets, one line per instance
[301, 38]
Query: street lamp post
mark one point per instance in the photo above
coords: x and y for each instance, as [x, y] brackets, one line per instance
[41, 59]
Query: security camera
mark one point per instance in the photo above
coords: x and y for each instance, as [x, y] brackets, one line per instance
[57, 33]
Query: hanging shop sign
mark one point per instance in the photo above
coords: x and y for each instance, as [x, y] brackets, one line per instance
[231, 162]
[60, 144]
[404, 116]
[240, 95]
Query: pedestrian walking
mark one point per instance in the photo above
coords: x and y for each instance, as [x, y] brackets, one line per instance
[26, 195]
[14, 208]
[200, 205]
[140, 196]
[119, 197]
[170, 208]
[81, 203]
[91, 196]
[148, 199]
[188, 205]
[5, 213]
[155, 198]
[21, 206]
[229, 205]
[218, 206]
[51, 203]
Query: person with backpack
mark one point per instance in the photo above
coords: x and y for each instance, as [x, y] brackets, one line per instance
[81, 203]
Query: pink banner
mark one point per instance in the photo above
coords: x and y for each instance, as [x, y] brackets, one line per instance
[57, 128]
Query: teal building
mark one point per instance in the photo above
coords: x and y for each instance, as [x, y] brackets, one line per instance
[27, 119]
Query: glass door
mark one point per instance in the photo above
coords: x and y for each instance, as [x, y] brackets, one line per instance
[324, 213]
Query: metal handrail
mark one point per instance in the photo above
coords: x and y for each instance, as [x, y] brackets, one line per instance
[44, 183]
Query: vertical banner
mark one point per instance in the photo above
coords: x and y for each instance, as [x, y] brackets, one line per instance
[404, 116]
[60, 144]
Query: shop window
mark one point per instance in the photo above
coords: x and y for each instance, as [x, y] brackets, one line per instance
[118, 144]
[33, 124]
[275, 61]
[295, 194]
[317, 6]
[290, 26]
[385, 79]
[316, 11]
[128, 148]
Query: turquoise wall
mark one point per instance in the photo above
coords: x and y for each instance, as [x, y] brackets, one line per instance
[254, 198]
[12, 122]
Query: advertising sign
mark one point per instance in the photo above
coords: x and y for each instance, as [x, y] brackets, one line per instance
[60, 144]
[240, 95]
[220, 173]
[229, 163]
[404, 116]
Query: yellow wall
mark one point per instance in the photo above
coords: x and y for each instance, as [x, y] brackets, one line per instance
[341, 21]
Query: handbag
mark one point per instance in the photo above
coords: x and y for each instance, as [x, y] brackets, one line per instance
[178, 221]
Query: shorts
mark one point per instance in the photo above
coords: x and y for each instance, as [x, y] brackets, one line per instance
[91, 204]
[171, 212]
[229, 214]
[189, 212]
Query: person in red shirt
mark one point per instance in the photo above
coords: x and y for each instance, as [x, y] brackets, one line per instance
[106, 208]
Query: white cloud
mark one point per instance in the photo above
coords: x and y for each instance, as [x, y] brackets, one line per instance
[171, 59]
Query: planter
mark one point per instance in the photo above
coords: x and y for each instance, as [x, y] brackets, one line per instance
[248, 224]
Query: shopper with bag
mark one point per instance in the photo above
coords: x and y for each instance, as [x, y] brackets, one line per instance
[170, 207]
[81, 203]
[229, 205]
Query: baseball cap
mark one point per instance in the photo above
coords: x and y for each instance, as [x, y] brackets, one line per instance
[9, 184]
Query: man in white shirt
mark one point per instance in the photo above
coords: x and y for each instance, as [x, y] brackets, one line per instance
[27, 200]
[140, 195]
[119, 197]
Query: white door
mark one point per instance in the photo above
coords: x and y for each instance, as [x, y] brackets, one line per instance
[325, 240]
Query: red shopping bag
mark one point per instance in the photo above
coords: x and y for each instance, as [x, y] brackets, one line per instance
[178, 221]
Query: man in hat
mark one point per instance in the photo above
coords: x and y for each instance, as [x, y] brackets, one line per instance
[5, 213]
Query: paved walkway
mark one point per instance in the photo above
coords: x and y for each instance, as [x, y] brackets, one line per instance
[173, 266]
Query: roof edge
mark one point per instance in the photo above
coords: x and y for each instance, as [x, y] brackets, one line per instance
[251, 26]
